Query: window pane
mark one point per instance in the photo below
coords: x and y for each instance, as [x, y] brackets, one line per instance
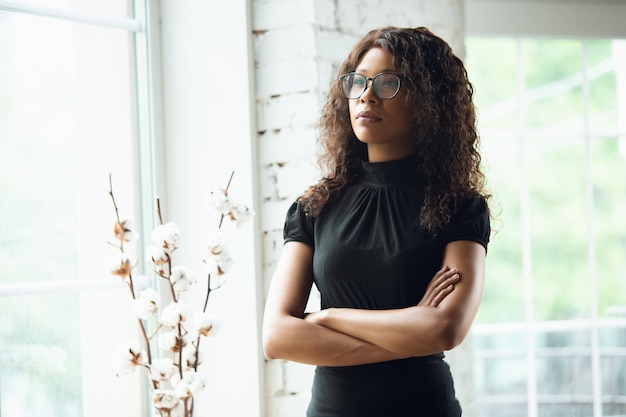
[37, 159]
[500, 364]
[564, 363]
[553, 85]
[501, 376]
[559, 225]
[66, 97]
[608, 153]
[503, 297]
[613, 358]
[609, 185]
[563, 373]
[57, 111]
[40, 356]
[494, 81]
[496, 99]
[504, 288]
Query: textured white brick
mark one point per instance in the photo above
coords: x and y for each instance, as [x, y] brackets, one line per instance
[273, 215]
[271, 14]
[288, 111]
[268, 271]
[290, 144]
[284, 44]
[289, 378]
[324, 12]
[444, 17]
[327, 73]
[272, 247]
[370, 14]
[280, 78]
[334, 45]
[288, 388]
[293, 177]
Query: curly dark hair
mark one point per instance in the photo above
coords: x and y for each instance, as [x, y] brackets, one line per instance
[444, 118]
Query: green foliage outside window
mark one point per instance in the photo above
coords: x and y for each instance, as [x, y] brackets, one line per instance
[536, 154]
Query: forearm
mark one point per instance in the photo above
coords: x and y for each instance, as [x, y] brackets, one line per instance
[297, 340]
[413, 331]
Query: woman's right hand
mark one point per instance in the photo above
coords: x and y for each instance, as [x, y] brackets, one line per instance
[439, 287]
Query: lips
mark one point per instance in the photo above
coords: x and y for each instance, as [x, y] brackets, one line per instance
[368, 117]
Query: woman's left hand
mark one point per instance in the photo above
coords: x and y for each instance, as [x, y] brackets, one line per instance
[439, 287]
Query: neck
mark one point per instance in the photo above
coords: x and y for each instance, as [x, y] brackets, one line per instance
[381, 153]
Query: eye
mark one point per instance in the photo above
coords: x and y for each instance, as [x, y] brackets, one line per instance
[389, 81]
[358, 80]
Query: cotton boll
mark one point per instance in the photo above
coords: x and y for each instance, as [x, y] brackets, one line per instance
[162, 369]
[147, 304]
[127, 358]
[174, 314]
[182, 278]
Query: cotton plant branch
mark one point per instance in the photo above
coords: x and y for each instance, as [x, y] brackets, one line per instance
[175, 380]
[123, 232]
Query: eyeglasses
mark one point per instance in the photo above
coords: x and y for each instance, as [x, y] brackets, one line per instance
[385, 85]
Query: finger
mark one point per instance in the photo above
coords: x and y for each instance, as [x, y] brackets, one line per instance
[442, 281]
[449, 279]
[440, 289]
[443, 278]
[442, 295]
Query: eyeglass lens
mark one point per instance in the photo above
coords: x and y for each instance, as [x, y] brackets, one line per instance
[385, 85]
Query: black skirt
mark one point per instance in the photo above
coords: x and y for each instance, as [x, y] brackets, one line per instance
[415, 387]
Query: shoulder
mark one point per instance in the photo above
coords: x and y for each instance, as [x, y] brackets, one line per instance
[298, 224]
[470, 221]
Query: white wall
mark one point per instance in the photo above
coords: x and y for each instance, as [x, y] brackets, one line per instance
[205, 129]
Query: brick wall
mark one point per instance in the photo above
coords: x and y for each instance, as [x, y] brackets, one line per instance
[298, 47]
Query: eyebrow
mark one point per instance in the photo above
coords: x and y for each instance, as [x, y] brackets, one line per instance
[380, 72]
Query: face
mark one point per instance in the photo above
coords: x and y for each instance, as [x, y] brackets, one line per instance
[384, 125]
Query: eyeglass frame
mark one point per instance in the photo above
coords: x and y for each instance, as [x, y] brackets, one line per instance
[343, 76]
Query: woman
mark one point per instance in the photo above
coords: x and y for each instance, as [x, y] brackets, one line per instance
[394, 235]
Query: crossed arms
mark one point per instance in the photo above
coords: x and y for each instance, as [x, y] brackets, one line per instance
[342, 337]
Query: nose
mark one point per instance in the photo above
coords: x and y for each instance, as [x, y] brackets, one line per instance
[369, 95]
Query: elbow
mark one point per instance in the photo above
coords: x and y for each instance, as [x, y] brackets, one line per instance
[272, 342]
[270, 350]
[451, 335]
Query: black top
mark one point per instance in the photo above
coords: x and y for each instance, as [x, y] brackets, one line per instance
[369, 251]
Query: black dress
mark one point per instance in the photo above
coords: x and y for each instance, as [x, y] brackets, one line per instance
[370, 253]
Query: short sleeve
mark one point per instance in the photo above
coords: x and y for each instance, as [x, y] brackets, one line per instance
[471, 222]
[298, 225]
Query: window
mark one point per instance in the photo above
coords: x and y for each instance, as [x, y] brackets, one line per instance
[73, 111]
[550, 338]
